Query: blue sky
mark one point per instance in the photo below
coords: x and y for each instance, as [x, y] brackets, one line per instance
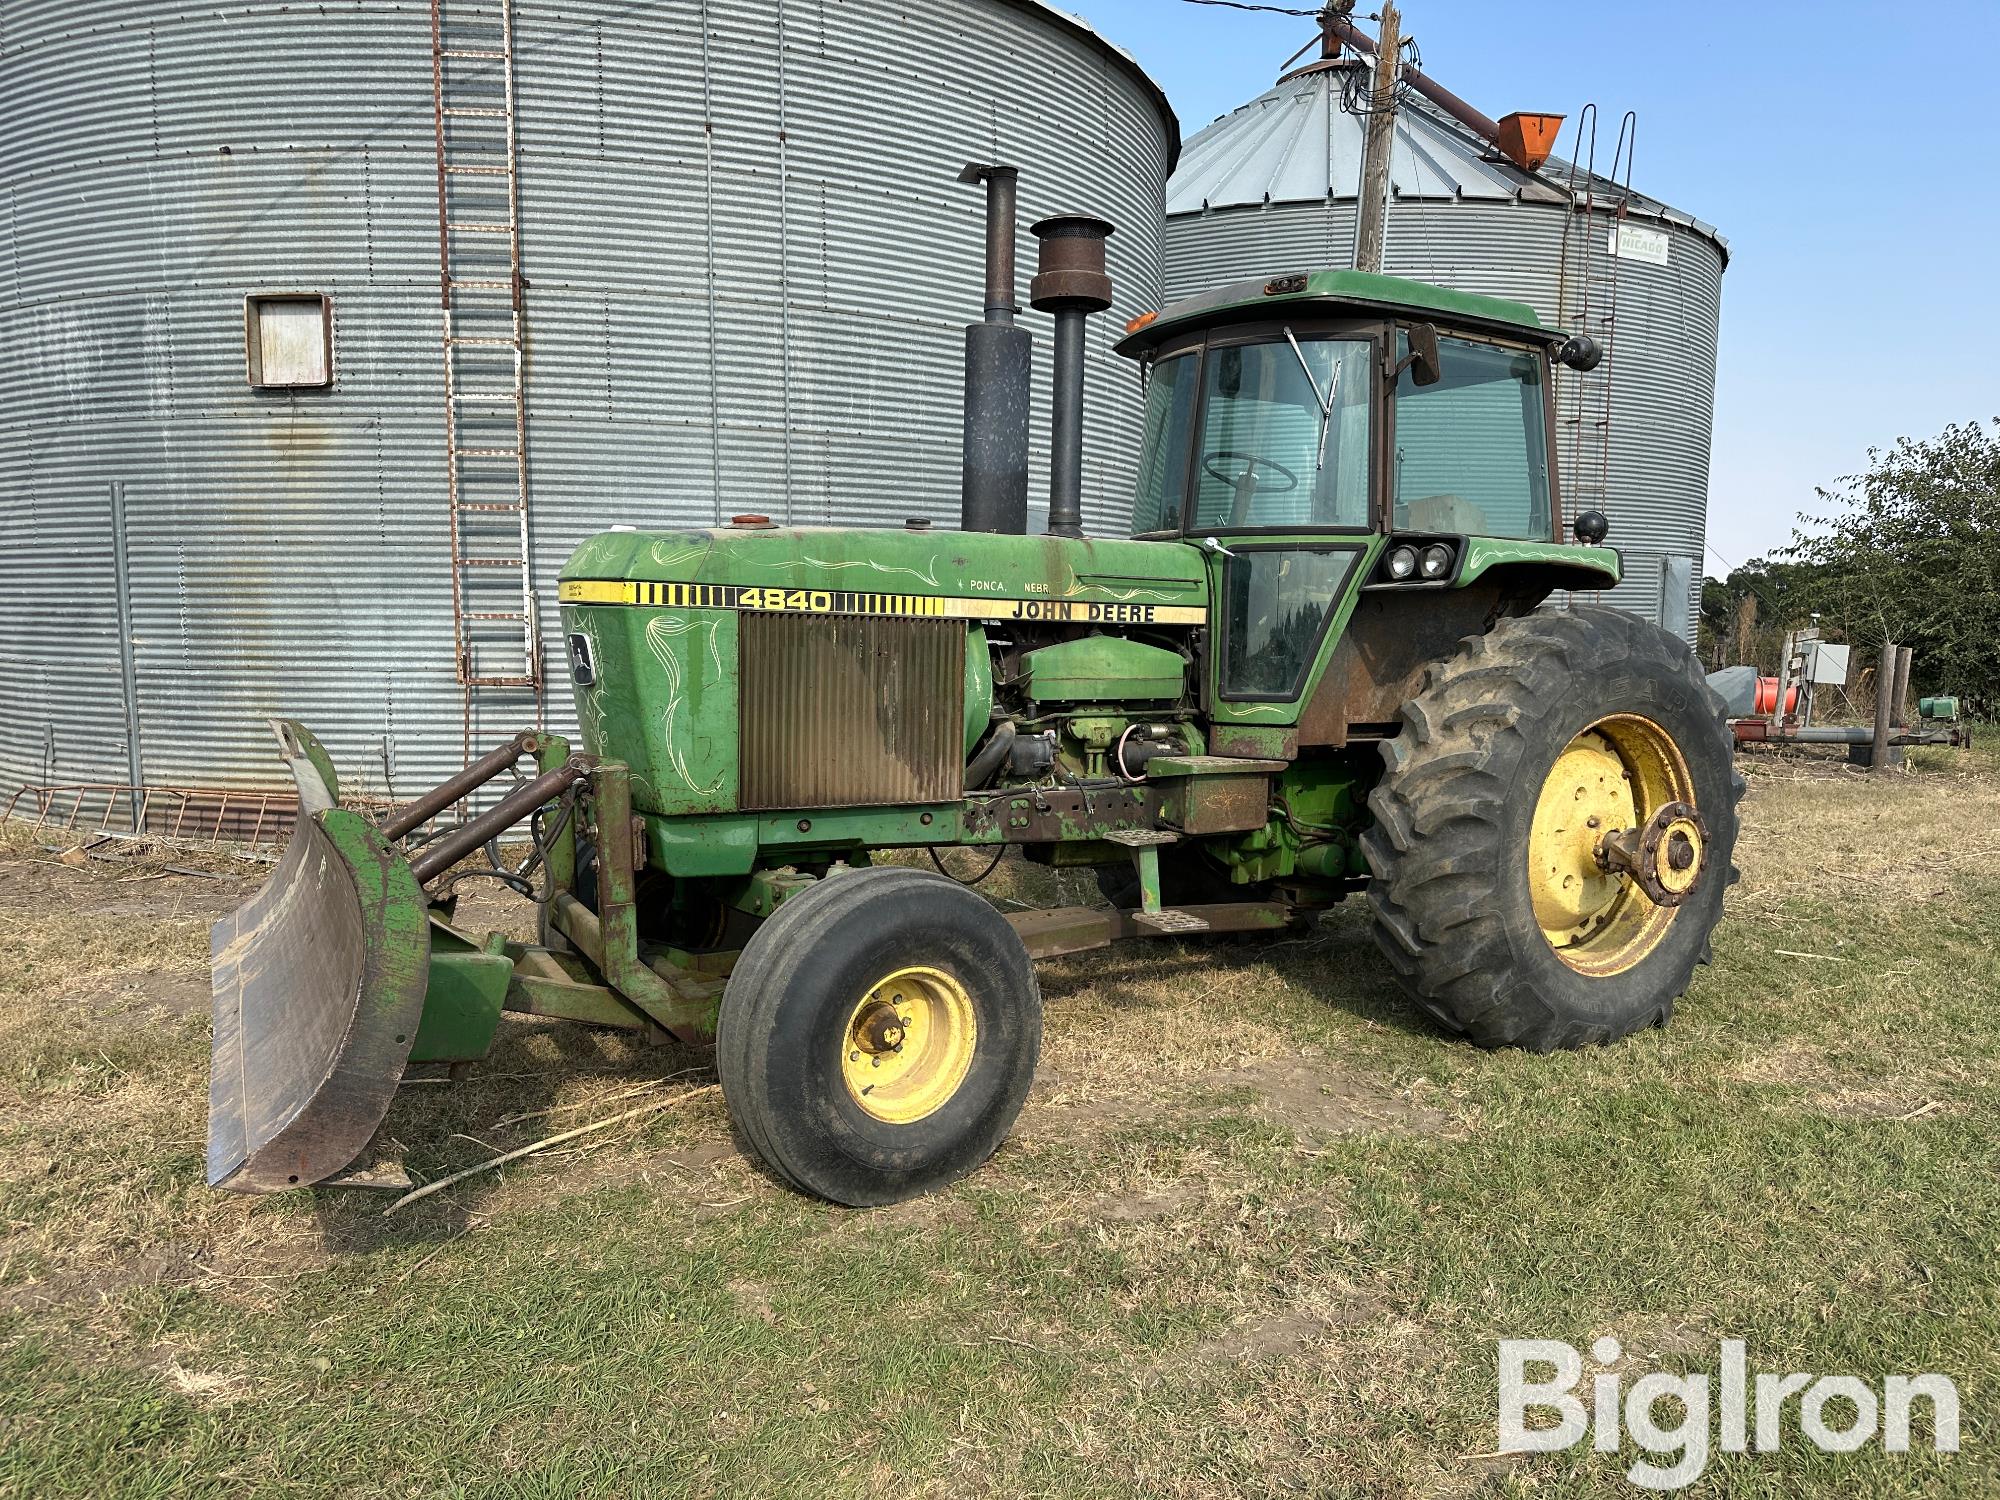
[1849, 154]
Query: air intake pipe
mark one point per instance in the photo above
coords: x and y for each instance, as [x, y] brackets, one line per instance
[998, 361]
[1070, 282]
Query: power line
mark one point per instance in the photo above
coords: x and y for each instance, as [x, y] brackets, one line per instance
[1275, 10]
[1751, 585]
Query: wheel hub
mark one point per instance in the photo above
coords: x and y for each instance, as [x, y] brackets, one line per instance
[1665, 858]
[1616, 844]
[908, 1044]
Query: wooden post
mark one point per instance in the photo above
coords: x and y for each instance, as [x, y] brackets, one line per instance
[1905, 657]
[1885, 699]
[1778, 714]
[1376, 150]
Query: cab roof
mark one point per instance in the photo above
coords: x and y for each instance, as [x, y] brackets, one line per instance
[1333, 292]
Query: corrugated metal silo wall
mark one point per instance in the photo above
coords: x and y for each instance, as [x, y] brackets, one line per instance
[286, 553]
[748, 263]
[1663, 369]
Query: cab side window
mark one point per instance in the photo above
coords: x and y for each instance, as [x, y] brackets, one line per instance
[1472, 450]
[1163, 452]
[1275, 606]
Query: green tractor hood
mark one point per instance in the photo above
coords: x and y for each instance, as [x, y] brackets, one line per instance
[915, 571]
[663, 633]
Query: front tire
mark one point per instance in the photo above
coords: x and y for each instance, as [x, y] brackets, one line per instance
[1525, 749]
[878, 1036]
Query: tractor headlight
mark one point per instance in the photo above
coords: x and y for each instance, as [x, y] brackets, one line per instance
[1403, 563]
[1436, 561]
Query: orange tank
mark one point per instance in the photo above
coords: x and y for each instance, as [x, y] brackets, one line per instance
[1767, 696]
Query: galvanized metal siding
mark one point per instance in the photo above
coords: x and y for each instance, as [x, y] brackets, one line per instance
[1664, 359]
[748, 262]
[157, 168]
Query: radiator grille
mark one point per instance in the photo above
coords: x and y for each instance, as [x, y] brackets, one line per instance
[850, 711]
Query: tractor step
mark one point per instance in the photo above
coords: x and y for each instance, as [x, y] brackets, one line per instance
[1169, 921]
[1142, 838]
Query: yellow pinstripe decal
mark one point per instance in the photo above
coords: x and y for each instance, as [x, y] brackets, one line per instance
[854, 602]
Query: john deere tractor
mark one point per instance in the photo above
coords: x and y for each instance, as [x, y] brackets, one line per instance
[1325, 663]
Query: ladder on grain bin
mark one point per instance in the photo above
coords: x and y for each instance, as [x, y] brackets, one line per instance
[1588, 296]
[496, 635]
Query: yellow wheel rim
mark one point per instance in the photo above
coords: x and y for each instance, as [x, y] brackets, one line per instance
[1613, 777]
[908, 1045]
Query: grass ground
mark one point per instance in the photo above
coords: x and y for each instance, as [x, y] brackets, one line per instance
[1257, 1233]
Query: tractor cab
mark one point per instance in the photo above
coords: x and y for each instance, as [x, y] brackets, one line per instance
[1330, 438]
[1343, 403]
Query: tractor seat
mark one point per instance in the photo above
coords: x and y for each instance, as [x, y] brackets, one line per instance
[1444, 513]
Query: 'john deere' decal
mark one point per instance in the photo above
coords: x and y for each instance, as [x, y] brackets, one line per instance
[852, 602]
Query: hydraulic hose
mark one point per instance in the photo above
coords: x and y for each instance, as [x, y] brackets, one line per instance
[980, 769]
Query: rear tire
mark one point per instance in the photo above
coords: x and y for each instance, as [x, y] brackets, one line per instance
[1456, 907]
[829, 1087]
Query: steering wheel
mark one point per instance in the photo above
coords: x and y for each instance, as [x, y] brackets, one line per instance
[1251, 462]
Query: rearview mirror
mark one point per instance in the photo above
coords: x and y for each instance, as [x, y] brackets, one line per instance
[1425, 366]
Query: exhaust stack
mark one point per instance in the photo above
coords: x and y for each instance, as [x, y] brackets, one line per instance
[1071, 283]
[998, 361]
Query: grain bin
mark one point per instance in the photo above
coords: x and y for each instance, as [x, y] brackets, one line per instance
[1272, 187]
[743, 264]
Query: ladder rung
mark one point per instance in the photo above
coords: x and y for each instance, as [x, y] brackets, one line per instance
[470, 112]
[486, 452]
[483, 286]
[479, 171]
[491, 53]
[489, 507]
[492, 562]
[498, 682]
[485, 396]
[489, 614]
[480, 228]
[488, 343]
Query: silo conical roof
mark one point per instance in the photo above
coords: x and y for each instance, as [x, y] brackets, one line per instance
[1300, 142]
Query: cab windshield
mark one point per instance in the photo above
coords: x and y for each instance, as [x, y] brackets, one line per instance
[1283, 437]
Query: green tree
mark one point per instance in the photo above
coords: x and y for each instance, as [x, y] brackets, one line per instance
[1782, 602]
[1910, 552]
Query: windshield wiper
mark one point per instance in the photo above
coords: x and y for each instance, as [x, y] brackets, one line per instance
[1325, 400]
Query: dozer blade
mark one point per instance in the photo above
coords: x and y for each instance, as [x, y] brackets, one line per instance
[318, 981]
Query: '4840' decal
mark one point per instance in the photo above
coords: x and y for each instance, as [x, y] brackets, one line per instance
[854, 602]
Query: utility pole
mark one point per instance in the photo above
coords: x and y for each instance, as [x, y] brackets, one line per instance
[1368, 233]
